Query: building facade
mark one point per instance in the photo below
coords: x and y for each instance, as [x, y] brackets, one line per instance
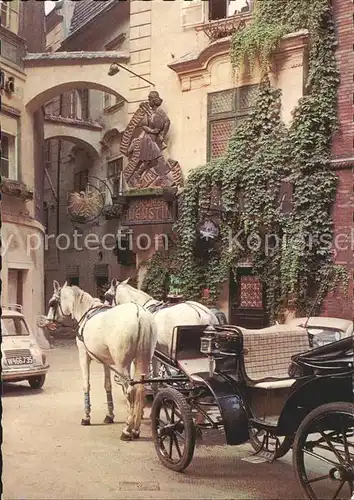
[22, 232]
[182, 51]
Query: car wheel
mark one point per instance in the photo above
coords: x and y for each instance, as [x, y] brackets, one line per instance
[36, 382]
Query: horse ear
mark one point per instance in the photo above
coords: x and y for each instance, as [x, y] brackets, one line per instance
[114, 282]
[56, 285]
[65, 284]
[125, 281]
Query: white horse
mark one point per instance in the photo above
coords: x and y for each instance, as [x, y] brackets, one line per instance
[121, 337]
[185, 313]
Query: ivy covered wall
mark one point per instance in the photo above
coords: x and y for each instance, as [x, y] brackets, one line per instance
[291, 252]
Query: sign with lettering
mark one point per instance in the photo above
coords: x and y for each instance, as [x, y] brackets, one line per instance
[175, 286]
[147, 211]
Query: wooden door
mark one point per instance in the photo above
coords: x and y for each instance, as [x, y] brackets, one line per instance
[247, 300]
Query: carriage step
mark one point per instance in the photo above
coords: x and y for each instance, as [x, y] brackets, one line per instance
[264, 425]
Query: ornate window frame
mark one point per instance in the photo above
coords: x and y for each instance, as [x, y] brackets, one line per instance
[235, 110]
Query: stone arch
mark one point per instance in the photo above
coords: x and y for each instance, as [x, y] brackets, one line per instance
[48, 75]
[88, 139]
[36, 100]
[76, 141]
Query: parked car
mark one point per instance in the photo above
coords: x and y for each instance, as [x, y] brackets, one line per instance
[324, 330]
[22, 358]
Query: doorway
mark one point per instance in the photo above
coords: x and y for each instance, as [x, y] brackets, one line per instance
[15, 286]
[247, 300]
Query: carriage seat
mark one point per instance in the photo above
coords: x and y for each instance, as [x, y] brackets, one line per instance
[268, 352]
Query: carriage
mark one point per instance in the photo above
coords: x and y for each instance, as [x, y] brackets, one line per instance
[264, 387]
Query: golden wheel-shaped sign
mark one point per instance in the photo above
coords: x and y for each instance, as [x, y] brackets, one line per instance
[85, 206]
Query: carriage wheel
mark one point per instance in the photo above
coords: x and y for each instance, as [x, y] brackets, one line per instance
[324, 442]
[256, 440]
[173, 429]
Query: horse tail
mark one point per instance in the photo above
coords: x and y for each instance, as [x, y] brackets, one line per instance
[145, 347]
[147, 336]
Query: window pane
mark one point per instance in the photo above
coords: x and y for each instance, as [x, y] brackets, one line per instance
[217, 9]
[4, 146]
[5, 164]
[220, 133]
[3, 14]
[13, 326]
[85, 104]
[106, 100]
[248, 96]
[221, 102]
[81, 180]
[5, 167]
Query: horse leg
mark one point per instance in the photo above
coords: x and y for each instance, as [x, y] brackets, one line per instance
[129, 395]
[138, 402]
[138, 410]
[85, 362]
[108, 387]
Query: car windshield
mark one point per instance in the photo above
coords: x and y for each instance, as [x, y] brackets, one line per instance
[13, 326]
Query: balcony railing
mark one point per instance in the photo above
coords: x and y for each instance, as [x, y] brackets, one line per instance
[221, 28]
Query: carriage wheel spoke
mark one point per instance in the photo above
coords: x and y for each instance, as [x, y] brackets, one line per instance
[167, 415]
[177, 446]
[180, 435]
[332, 448]
[173, 413]
[320, 478]
[338, 490]
[345, 442]
[171, 447]
[319, 457]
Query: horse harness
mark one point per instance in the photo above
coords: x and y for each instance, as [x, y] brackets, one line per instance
[90, 313]
[158, 306]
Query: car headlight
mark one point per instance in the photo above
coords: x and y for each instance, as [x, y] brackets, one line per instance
[325, 338]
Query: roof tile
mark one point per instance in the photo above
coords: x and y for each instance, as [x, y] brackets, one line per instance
[86, 10]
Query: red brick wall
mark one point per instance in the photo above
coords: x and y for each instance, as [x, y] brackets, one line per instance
[338, 304]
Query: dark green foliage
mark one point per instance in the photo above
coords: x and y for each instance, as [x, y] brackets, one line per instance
[261, 153]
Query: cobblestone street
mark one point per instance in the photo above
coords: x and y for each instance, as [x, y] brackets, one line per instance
[48, 454]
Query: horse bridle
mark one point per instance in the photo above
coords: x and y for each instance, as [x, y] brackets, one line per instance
[55, 303]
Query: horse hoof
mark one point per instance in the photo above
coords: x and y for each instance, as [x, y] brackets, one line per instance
[108, 420]
[125, 437]
[135, 434]
[85, 421]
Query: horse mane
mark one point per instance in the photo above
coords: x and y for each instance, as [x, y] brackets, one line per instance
[83, 296]
[136, 291]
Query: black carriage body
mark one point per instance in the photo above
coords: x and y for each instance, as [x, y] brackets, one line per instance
[276, 403]
[232, 389]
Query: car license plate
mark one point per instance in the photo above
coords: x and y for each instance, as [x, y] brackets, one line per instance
[20, 360]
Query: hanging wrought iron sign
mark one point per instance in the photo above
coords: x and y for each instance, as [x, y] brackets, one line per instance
[86, 205]
[208, 230]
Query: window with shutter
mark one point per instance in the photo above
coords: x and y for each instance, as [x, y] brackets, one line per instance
[226, 110]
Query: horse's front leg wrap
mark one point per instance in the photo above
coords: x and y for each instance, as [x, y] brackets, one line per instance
[110, 414]
[86, 420]
[108, 386]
